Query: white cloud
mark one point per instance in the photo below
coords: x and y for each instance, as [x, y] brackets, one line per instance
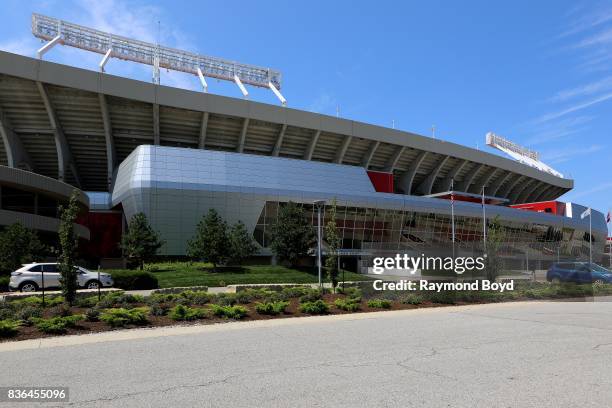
[586, 22]
[563, 155]
[601, 85]
[571, 109]
[556, 130]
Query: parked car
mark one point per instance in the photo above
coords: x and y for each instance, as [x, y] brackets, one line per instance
[29, 278]
[578, 272]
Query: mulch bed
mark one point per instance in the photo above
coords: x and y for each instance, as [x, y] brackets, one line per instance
[86, 327]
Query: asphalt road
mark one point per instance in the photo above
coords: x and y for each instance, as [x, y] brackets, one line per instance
[503, 355]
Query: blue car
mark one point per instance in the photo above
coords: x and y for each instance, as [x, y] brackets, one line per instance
[578, 272]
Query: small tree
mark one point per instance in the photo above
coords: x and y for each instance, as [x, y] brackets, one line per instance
[19, 245]
[210, 242]
[241, 245]
[496, 236]
[141, 242]
[332, 237]
[292, 234]
[68, 248]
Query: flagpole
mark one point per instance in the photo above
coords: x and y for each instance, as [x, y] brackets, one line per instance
[484, 222]
[453, 213]
[590, 238]
[608, 219]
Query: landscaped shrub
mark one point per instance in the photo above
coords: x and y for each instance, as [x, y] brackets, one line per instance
[4, 282]
[316, 307]
[249, 295]
[6, 310]
[160, 303]
[294, 292]
[108, 300]
[226, 299]
[9, 327]
[413, 299]
[158, 309]
[92, 315]
[86, 301]
[134, 280]
[348, 304]
[353, 295]
[57, 325]
[37, 301]
[311, 295]
[30, 301]
[445, 298]
[196, 297]
[180, 312]
[231, 312]
[122, 317]
[161, 298]
[121, 299]
[350, 291]
[271, 308]
[379, 303]
[27, 313]
[62, 310]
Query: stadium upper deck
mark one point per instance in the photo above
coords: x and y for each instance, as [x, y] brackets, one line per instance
[78, 125]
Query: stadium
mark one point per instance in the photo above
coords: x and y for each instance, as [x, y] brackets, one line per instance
[129, 146]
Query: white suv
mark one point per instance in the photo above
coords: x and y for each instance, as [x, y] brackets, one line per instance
[29, 278]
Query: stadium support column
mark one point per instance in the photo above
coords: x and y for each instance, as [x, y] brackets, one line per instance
[494, 188]
[528, 195]
[448, 180]
[64, 156]
[367, 157]
[311, 146]
[111, 156]
[343, 148]
[484, 180]
[279, 141]
[243, 133]
[543, 193]
[405, 181]
[427, 184]
[469, 178]
[392, 163]
[16, 154]
[517, 195]
[510, 186]
[203, 128]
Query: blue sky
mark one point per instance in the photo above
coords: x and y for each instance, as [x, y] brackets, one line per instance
[539, 73]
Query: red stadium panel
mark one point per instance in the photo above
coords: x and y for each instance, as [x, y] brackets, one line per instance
[551, 207]
[105, 229]
[382, 181]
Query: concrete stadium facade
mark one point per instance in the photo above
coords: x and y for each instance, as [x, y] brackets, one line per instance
[173, 153]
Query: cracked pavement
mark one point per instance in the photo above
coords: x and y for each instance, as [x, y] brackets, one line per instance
[525, 354]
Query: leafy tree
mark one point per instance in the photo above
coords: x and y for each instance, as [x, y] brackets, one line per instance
[332, 238]
[19, 245]
[292, 234]
[241, 245]
[68, 248]
[496, 236]
[141, 242]
[210, 242]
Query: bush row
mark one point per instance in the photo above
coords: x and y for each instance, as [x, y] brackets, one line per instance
[134, 280]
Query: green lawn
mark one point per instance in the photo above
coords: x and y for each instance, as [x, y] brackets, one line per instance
[176, 274]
